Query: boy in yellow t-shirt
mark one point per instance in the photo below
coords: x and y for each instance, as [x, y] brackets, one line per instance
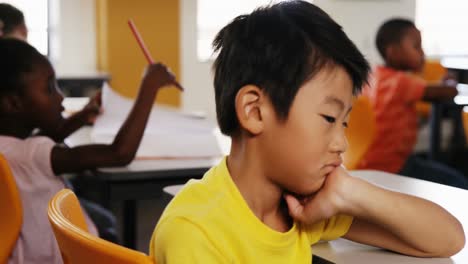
[284, 82]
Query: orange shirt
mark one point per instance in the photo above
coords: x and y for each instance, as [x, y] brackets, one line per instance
[393, 95]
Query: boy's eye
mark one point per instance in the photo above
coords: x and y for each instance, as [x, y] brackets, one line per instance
[345, 124]
[329, 119]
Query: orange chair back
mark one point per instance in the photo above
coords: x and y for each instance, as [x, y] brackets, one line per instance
[465, 121]
[10, 209]
[433, 72]
[79, 246]
[360, 132]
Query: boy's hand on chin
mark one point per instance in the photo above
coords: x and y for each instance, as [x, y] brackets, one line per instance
[325, 203]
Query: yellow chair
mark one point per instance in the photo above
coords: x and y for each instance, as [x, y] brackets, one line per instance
[433, 72]
[360, 133]
[79, 246]
[10, 209]
[465, 121]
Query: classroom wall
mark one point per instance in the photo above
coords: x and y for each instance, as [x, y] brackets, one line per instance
[360, 19]
[195, 75]
[74, 41]
[118, 52]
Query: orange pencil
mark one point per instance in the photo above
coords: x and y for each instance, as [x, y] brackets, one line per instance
[142, 45]
[140, 41]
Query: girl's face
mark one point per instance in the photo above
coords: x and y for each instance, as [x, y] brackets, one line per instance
[42, 99]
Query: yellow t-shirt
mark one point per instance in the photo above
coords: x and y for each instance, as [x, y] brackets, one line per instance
[208, 221]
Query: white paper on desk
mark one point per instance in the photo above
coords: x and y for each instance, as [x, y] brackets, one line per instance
[168, 134]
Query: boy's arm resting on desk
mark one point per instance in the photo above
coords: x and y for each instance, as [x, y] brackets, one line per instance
[179, 241]
[383, 218]
[439, 92]
[402, 223]
[125, 145]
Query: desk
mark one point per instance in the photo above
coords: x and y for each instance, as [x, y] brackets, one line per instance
[454, 110]
[141, 179]
[347, 252]
[457, 65]
[458, 140]
[77, 85]
[73, 105]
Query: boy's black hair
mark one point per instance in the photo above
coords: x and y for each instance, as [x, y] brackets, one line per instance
[278, 48]
[391, 32]
[11, 17]
[17, 58]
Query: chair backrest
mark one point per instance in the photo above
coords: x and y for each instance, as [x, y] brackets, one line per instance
[465, 121]
[433, 71]
[79, 246]
[10, 209]
[360, 133]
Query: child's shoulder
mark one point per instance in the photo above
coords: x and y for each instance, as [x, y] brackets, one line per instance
[386, 76]
[26, 151]
[196, 199]
[385, 71]
[30, 162]
[201, 199]
[9, 143]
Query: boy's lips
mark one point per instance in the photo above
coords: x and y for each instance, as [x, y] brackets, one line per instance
[334, 163]
[331, 166]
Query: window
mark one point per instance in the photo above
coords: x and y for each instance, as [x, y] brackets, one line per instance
[36, 17]
[443, 27]
[212, 15]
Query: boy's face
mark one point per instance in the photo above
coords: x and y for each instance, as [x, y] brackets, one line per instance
[304, 149]
[42, 99]
[410, 54]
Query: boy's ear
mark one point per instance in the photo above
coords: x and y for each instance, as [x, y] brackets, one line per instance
[10, 104]
[249, 105]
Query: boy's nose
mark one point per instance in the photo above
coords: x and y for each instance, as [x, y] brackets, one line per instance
[340, 143]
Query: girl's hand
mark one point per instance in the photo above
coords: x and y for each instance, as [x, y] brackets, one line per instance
[159, 75]
[93, 108]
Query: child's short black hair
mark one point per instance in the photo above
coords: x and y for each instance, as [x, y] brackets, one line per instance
[391, 32]
[11, 17]
[17, 58]
[278, 48]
